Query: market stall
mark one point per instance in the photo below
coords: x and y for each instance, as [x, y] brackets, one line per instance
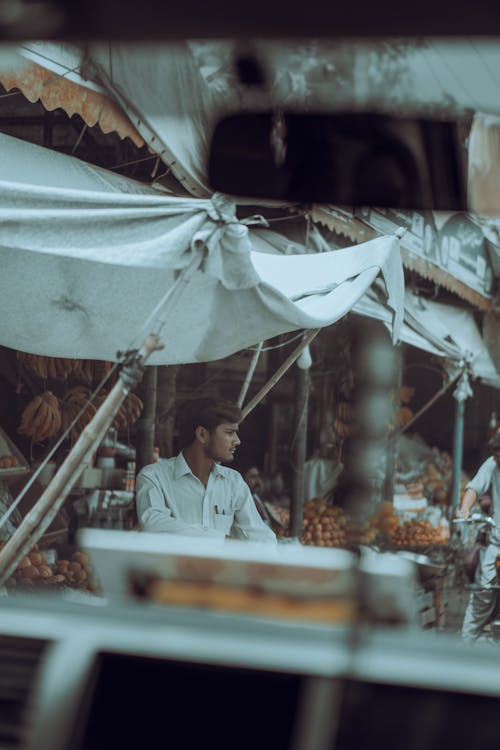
[140, 260]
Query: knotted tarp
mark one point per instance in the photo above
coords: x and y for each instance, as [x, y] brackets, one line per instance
[88, 260]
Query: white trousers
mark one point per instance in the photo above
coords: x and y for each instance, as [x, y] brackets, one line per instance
[482, 604]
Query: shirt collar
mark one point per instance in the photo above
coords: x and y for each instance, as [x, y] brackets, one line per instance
[219, 471]
[181, 467]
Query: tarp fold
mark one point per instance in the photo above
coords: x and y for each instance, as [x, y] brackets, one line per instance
[87, 256]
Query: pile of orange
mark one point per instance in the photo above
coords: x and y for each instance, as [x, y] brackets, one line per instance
[416, 534]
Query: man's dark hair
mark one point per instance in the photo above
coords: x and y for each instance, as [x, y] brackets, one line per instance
[494, 443]
[207, 412]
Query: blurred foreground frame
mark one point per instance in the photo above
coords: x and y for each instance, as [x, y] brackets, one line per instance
[341, 158]
[81, 20]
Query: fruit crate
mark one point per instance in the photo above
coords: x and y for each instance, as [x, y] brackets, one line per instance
[8, 448]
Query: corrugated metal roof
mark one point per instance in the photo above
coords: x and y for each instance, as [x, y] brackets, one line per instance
[343, 222]
[429, 270]
[56, 91]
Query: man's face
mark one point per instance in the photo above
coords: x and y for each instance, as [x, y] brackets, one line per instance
[222, 442]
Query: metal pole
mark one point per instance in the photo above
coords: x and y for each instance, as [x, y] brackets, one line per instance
[458, 447]
[299, 452]
[461, 393]
[145, 428]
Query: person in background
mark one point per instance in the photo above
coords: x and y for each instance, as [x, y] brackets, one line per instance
[254, 481]
[193, 494]
[482, 604]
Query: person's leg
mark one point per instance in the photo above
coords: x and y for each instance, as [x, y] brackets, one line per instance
[482, 604]
[479, 611]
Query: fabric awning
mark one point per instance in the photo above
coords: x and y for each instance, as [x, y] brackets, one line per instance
[88, 257]
[448, 331]
[452, 249]
[153, 94]
[49, 74]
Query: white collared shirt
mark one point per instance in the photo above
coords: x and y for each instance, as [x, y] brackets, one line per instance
[487, 478]
[170, 498]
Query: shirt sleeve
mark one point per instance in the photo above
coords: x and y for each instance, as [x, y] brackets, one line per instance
[247, 520]
[154, 515]
[482, 480]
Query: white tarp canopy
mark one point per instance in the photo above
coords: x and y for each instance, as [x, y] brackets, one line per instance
[445, 330]
[87, 258]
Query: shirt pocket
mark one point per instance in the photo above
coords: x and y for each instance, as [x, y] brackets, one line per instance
[223, 523]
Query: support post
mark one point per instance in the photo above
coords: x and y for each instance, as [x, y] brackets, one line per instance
[392, 440]
[299, 453]
[249, 375]
[166, 391]
[145, 428]
[461, 394]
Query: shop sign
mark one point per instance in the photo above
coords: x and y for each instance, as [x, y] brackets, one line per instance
[452, 242]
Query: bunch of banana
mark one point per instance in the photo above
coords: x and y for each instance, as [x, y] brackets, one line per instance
[133, 408]
[128, 413]
[342, 429]
[76, 400]
[405, 415]
[406, 394]
[343, 417]
[343, 411]
[85, 371]
[42, 418]
[57, 368]
[36, 364]
[101, 369]
[93, 370]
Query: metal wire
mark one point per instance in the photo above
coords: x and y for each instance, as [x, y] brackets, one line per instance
[277, 346]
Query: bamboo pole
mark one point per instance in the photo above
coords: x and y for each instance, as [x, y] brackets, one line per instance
[249, 375]
[41, 515]
[279, 372]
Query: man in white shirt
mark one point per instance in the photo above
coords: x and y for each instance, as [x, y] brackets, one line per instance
[482, 604]
[192, 494]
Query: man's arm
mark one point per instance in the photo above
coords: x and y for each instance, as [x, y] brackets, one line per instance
[468, 500]
[155, 516]
[247, 519]
[476, 487]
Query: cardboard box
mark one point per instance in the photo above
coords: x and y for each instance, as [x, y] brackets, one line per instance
[8, 448]
[90, 479]
[113, 479]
